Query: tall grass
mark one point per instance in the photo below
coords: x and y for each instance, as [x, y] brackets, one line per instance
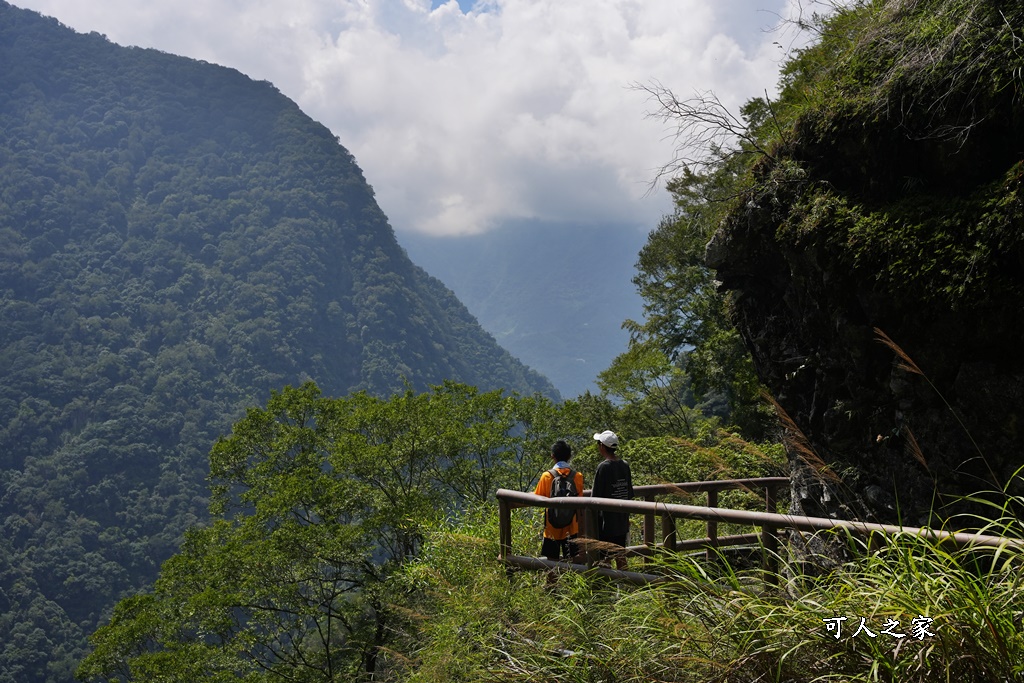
[713, 623]
[902, 608]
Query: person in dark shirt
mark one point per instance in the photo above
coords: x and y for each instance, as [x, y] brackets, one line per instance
[612, 480]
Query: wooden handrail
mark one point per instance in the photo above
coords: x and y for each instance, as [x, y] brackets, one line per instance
[668, 539]
[769, 521]
[715, 485]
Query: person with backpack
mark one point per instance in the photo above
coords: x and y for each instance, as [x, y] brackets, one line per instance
[560, 524]
[612, 480]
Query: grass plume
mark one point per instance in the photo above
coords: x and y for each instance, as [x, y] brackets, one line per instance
[907, 364]
[798, 444]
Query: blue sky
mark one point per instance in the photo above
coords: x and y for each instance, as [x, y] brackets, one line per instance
[464, 5]
[466, 116]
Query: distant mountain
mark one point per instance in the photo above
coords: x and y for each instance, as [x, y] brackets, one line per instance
[553, 295]
[176, 241]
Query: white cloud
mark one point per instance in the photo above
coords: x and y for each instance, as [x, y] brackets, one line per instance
[463, 120]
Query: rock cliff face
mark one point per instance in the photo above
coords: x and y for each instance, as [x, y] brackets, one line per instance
[892, 206]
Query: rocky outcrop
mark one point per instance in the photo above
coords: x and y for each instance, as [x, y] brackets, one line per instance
[876, 263]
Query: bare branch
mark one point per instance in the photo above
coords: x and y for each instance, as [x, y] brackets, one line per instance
[704, 129]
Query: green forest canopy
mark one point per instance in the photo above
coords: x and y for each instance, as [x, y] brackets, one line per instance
[176, 241]
[320, 503]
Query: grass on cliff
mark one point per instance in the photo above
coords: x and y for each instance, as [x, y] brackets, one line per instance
[464, 619]
[922, 58]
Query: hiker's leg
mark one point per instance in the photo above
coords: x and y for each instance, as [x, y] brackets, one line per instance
[620, 540]
[573, 549]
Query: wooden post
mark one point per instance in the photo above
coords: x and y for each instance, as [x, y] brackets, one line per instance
[712, 526]
[504, 529]
[668, 531]
[582, 521]
[770, 540]
[770, 503]
[649, 522]
[649, 527]
[593, 555]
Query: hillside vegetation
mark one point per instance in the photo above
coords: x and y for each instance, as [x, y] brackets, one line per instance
[797, 225]
[876, 257]
[336, 520]
[853, 246]
[176, 241]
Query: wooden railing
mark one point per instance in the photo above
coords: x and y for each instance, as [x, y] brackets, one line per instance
[769, 522]
[669, 538]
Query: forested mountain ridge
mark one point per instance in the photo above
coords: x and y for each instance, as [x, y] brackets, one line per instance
[176, 241]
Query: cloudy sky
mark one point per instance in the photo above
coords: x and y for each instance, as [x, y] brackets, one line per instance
[467, 115]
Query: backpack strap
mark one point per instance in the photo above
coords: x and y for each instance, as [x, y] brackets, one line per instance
[555, 473]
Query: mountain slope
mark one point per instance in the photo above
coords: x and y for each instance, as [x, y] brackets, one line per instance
[176, 241]
[554, 295]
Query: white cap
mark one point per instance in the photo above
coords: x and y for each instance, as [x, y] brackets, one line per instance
[608, 438]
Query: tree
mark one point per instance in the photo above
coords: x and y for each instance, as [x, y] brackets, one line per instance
[283, 578]
[686, 318]
[654, 393]
[316, 502]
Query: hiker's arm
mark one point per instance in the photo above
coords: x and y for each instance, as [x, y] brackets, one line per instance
[544, 485]
[598, 490]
